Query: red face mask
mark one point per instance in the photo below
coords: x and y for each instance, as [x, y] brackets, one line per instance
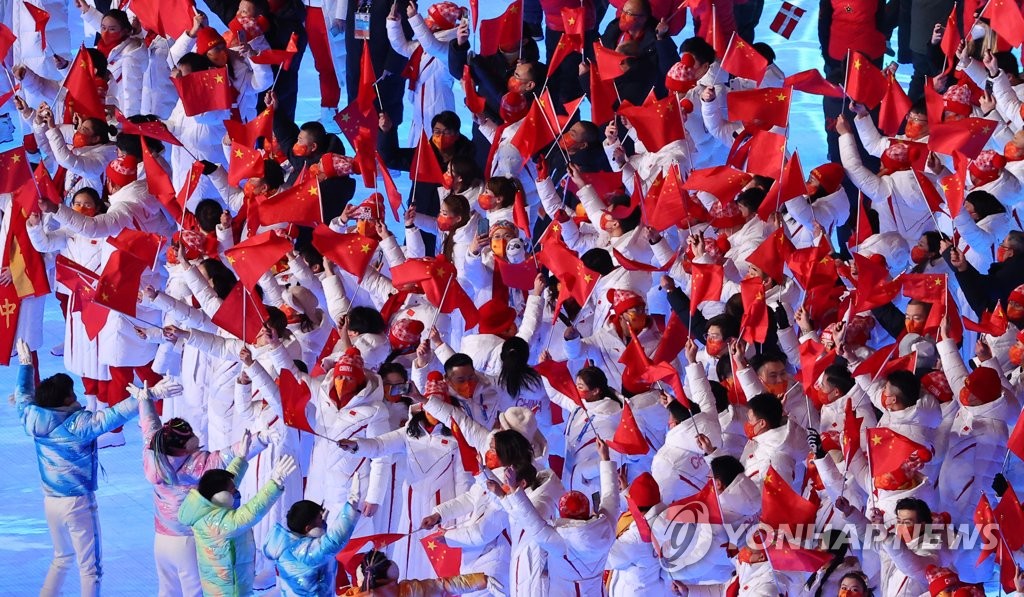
[515, 85]
[486, 201]
[1001, 254]
[715, 347]
[1014, 312]
[300, 150]
[606, 222]
[446, 181]
[465, 389]
[776, 388]
[110, 38]
[79, 140]
[918, 255]
[628, 23]
[1016, 355]
[915, 129]
[85, 211]
[567, 143]
[1013, 152]
[491, 460]
[749, 431]
[443, 142]
[445, 223]
[249, 189]
[914, 326]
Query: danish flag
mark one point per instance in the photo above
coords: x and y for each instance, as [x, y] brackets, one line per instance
[786, 21]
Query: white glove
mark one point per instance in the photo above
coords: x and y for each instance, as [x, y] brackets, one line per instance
[285, 466]
[24, 352]
[243, 445]
[166, 388]
[495, 587]
[138, 393]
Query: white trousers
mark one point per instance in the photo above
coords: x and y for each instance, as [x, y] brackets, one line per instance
[176, 567]
[75, 530]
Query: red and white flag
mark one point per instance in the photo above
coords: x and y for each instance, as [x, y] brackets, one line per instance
[787, 19]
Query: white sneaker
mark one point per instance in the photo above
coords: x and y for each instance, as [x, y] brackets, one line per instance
[111, 439]
[57, 350]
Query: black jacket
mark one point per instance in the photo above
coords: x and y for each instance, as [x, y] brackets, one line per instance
[984, 290]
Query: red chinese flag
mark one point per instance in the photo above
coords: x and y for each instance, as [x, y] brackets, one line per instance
[425, 168]
[742, 60]
[724, 182]
[27, 268]
[83, 97]
[760, 108]
[669, 204]
[534, 133]
[811, 81]
[158, 182]
[951, 39]
[770, 256]
[706, 281]
[665, 372]
[767, 154]
[153, 130]
[247, 134]
[241, 314]
[673, 339]
[10, 304]
[280, 57]
[446, 561]
[559, 378]
[874, 363]
[862, 230]
[865, 83]
[928, 190]
[797, 559]
[442, 289]
[636, 266]
[468, 456]
[968, 136]
[169, 18]
[295, 396]
[204, 91]
[609, 62]
[813, 266]
[7, 39]
[367, 94]
[955, 184]
[569, 43]
[657, 122]
[605, 184]
[992, 322]
[790, 186]
[628, 439]
[924, 287]
[755, 310]
[519, 215]
[520, 276]
[895, 106]
[704, 503]
[1016, 441]
[352, 252]
[603, 96]
[350, 556]
[299, 204]
[504, 32]
[780, 505]
[254, 256]
[635, 362]
[144, 246]
[41, 17]
[16, 177]
[118, 286]
[1005, 19]
[888, 450]
[474, 101]
[1010, 519]
[245, 163]
[851, 432]
[713, 34]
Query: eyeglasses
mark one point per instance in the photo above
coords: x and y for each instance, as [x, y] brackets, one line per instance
[712, 336]
[445, 132]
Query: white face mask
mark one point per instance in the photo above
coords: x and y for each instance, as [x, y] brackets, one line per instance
[978, 31]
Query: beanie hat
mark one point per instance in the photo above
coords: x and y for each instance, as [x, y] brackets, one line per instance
[496, 317]
[986, 167]
[726, 214]
[830, 176]
[123, 170]
[623, 300]
[405, 333]
[644, 491]
[333, 164]
[371, 209]
[574, 505]
[940, 579]
[936, 384]
[896, 157]
[443, 16]
[957, 99]
[513, 107]
[206, 39]
[985, 383]
[350, 366]
[524, 421]
[679, 77]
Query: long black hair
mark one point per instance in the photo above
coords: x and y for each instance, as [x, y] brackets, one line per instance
[595, 379]
[838, 544]
[512, 448]
[223, 279]
[516, 374]
[417, 423]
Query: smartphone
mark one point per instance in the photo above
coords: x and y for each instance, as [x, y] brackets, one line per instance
[482, 227]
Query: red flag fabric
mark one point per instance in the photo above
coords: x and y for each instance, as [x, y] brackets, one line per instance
[247, 134]
[367, 93]
[1010, 519]
[41, 17]
[706, 281]
[742, 60]
[755, 311]
[724, 182]
[534, 133]
[951, 39]
[204, 91]
[790, 186]
[118, 286]
[520, 276]
[993, 322]
[83, 97]
[874, 363]
[7, 39]
[425, 168]
[567, 267]
[665, 372]
[760, 108]
[254, 256]
[888, 450]
[635, 362]
[1004, 16]
[657, 123]
[436, 276]
[1016, 441]
[673, 339]
[706, 502]
[300, 204]
[352, 252]
[668, 207]
[280, 57]
[158, 182]
[468, 456]
[968, 136]
[352, 121]
[241, 314]
[519, 215]
[851, 432]
[245, 163]
[168, 18]
[811, 81]
[603, 96]
[10, 304]
[144, 246]
[350, 556]
[16, 178]
[780, 505]
[474, 101]
[767, 154]
[862, 230]
[895, 106]
[502, 32]
[865, 83]
[771, 255]
[931, 194]
[924, 287]
[390, 189]
[954, 185]
[153, 130]
[628, 439]
[569, 43]
[609, 62]
[446, 561]
[295, 396]
[797, 559]
[559, 378]
[27, 267]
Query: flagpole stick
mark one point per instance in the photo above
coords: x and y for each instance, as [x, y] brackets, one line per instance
[437, 312]
[560, 130]
[775, 574]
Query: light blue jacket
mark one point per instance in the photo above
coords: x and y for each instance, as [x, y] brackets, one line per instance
[65, 437]
[306, 565]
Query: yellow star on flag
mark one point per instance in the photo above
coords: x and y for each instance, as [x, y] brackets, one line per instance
[219, 79]
[365, 248]
[875, 440]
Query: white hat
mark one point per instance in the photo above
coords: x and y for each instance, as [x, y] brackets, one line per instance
[524, 421]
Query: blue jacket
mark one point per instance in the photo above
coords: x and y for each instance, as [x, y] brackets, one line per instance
[65, 437]
[306, 565]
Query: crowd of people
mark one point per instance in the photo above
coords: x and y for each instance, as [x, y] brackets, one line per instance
[623, 346]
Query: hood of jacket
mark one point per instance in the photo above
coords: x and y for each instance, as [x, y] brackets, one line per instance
[42, 421]
[279, 541]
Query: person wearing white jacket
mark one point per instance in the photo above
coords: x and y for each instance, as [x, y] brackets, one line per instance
[87, 156]
[825, 205]
[632, 561]
[982, 225]
[679, 465]
[126, 54]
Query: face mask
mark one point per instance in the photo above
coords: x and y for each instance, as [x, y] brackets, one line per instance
[443, 142]
[916, 129]
[85, 211]
[445, 223]
[109, 38]
[1016, 355]
[715, 347]
[292, 315]
[446, 181]
[465, 389]
[1013, 152]
[918, 255]
[978, 31]
[778, 388]
[317, 532]
[79, 140]
[636, 321]
[249, 189]
[1001, 254]
[889, 402]
[498, 245]
[849, 592]
[1014, 312]
[225, 499]
[628, 22]
[749, 431]
[300, 150]
[914, 326]
[515, 85]
[606, 222]
[345, 389]
[491, 460]
[567, 143]
[965, 396]
[486, 201]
